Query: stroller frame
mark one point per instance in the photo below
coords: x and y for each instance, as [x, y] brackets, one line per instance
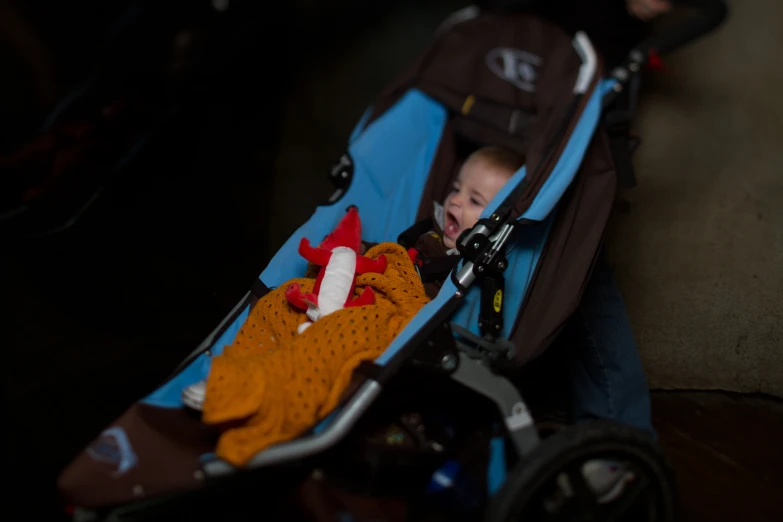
[482, 248]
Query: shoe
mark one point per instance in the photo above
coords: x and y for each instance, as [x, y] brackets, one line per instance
[607, 478]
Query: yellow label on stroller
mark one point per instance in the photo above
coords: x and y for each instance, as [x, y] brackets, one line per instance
[497, 301]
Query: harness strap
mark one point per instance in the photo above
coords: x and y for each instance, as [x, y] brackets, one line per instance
[431, 268]
[438, 268]
[259, 289]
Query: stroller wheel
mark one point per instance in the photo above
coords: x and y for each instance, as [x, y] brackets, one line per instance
[593, 471]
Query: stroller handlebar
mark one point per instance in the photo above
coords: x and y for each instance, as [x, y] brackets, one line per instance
[711, 14]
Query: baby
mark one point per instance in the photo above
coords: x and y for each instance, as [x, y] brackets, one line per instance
[481, 177]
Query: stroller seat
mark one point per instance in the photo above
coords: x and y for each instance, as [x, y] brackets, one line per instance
[510, 80]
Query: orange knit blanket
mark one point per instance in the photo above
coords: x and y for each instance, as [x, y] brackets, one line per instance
[272, 384]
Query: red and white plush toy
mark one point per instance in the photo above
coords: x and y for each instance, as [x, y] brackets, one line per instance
[339, 256]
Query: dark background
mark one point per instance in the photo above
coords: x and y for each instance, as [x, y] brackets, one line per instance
[177, 199]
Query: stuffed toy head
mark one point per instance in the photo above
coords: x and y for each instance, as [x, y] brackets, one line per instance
[347, 233]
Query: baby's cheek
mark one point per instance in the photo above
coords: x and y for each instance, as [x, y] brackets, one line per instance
[471, 218]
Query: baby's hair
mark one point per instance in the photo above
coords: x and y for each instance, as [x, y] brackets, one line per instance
[499, 157]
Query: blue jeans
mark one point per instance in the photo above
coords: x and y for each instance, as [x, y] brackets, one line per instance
[606, 371]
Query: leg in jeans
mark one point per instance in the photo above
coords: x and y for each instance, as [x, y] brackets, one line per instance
[607, 374]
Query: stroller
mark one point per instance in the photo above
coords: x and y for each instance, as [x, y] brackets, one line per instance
[471, 448]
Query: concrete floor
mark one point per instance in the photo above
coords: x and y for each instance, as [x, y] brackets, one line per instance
[699, 255]
[721, 447]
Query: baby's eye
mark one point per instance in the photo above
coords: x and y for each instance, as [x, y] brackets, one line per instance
[476, 202]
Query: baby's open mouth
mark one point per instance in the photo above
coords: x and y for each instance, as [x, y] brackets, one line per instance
[451, 227]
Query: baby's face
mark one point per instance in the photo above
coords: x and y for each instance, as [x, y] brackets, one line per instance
[477, 183]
